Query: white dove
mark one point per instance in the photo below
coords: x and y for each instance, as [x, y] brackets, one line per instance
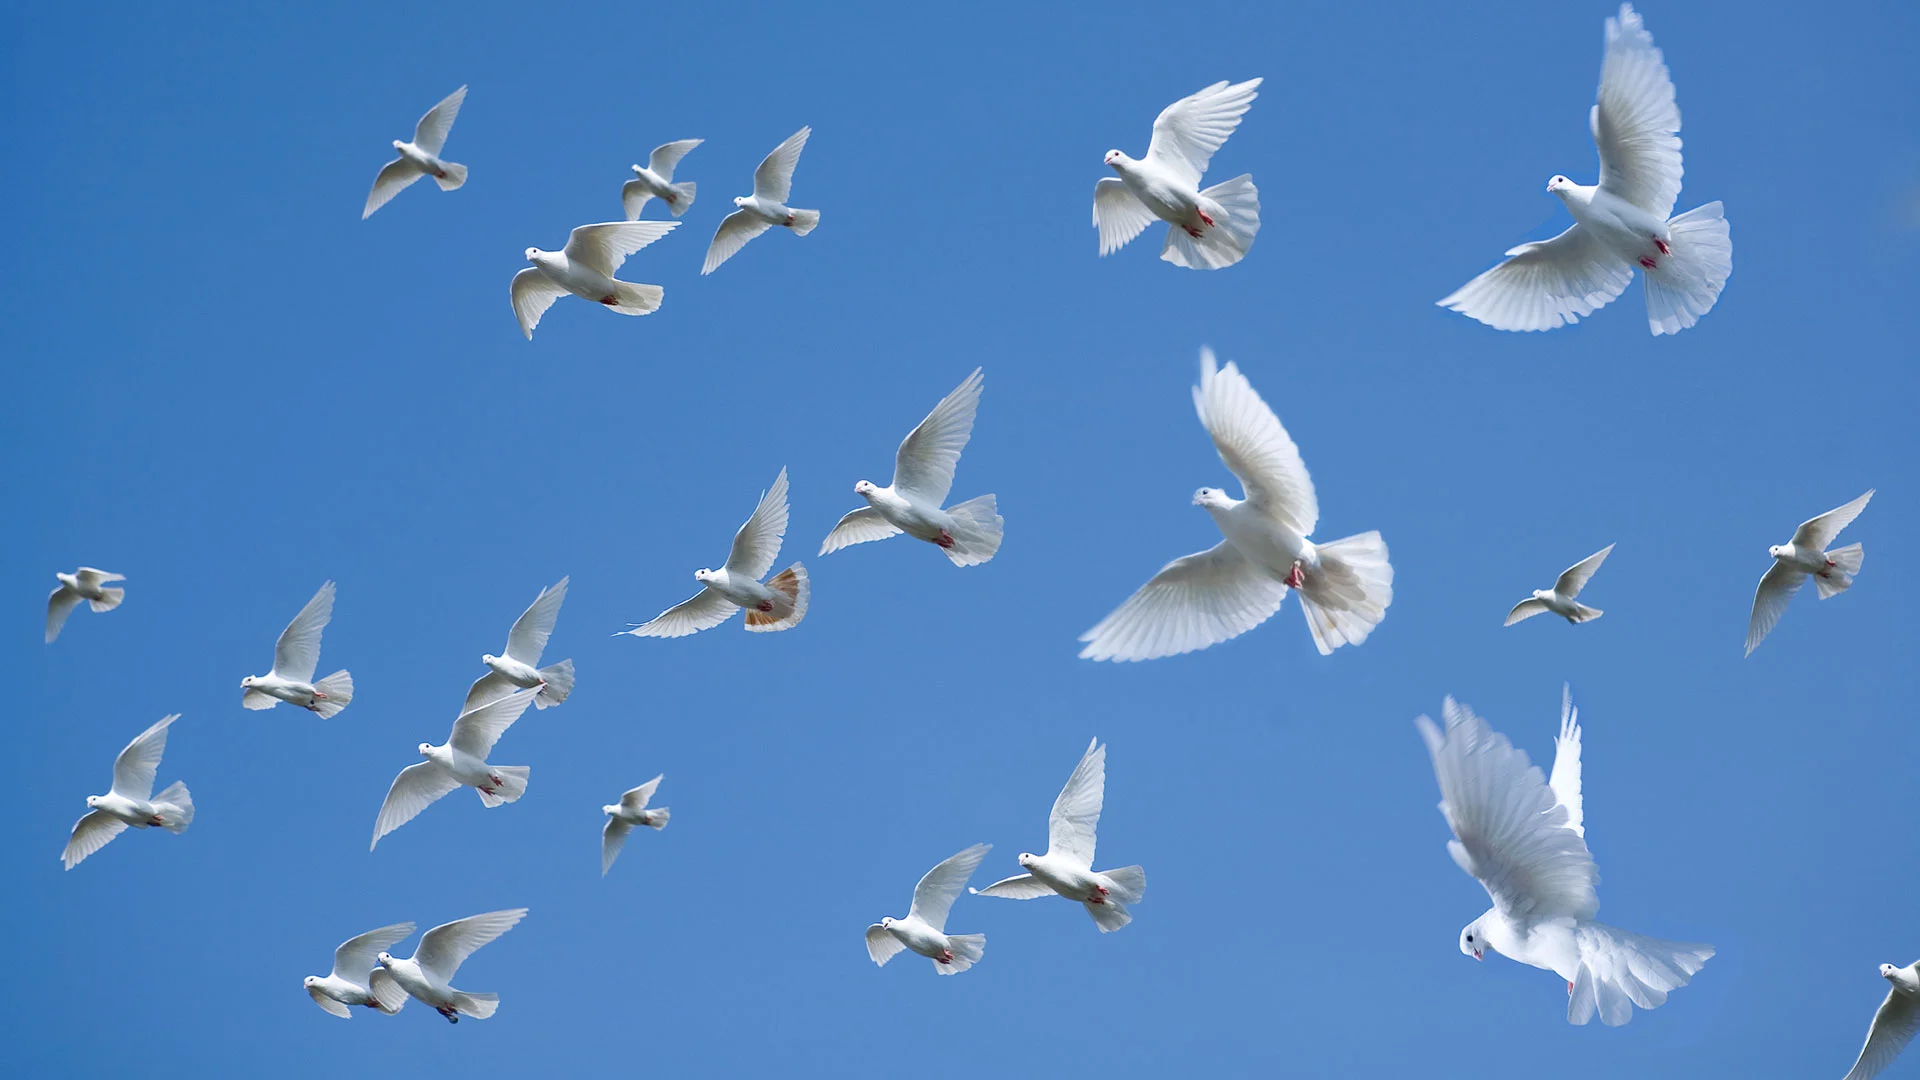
[1523, 838]
[1622, 221]
[924, 930]
[131, 801]
[295, 658]
[353, 964]
[426, 975]
[766, 207]
[83, 584]
[1207, 230]
[622, 816]
[462, 760]
[1067, 867]
[1560, 599]
[923, 467]
[1205, 598]
[421, 157]
[585, 268]
[1806, 554]
[655, 180]
[778, 604]
[520, 667]
[1894, 1024]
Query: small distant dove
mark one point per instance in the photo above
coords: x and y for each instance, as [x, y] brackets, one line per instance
[1210, 596]
[585, 268]
[1067, 867]
[353, 964]
[1620, 223]
[462, 760]
[421, 157]
[295, 658]
[131, 801]
[1806, 554]
[1894, 1024]
[83, 584]
[1207, 230]
[622, 816]
[923, 467]
[778, 604]
[655, 180]
[1560, 599]
[520, 666]
[924, 930]
[428, 973]
[766, 207]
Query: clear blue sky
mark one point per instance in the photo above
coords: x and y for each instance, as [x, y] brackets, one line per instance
[229, 388]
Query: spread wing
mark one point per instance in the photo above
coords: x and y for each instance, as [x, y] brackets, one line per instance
[1770, 601]
[533, 293]
[1893, 1028]
[60, 604]
[1076, 812]
[705, 611]
[1817, 533]
[355, 957]
[1187, 132]
[394, 177]
[1575, 577]
[90, 577]
[1544, 284]
[475, 732]
[757, 543]
[1635, 119]
[297, 653]
[1118, 214]
[667, 155]
[528, 638]
[90, 834]
[445, 947]
[858, 527]
[134, 769]
[1255, 446]
[604, 247]
[735, 230]
[638, 798]
[612, 839]
[934, 896]
[1525, 609]
[1193, 602]
[1565, 777]
[430, 134]
[1017, 887]
[773, 180]
[416, 788]
[924, 464]
[882, 946]
[327, 1003]
[487, 688]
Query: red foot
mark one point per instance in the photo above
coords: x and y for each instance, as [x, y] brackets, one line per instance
[609, 300]
[1570, 985]
[789, 220]
[1662, 245]
[1097, 898]
[441, 173]
[1296, 579]
[155, 820]
[945, 540]
[1648, 262]
[945, 957]
[1195, 233]
[1101, 889]
[766, 605]
[318, 696]
[1204, 217]
[452, 1014]
[670, 199]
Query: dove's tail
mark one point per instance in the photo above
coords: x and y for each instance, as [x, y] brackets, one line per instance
[1839, 577]
[977, 528]
[633, 298]
[175, 807]
[513, 784]
[1348, 594]
[339, 690]
[789, 603]
[657, 818]
[1109, 915]
[1583, 613]
[1685, 285]
[386, 993]
[1227, 240]
[967, 950]
[1127, 884]
[109, 599]
[559, 679]
[804, 221]
[478, 1006]
[683, 198]
[456, 175]
[1619, 970]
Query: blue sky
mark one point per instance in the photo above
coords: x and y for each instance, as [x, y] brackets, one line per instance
[231, 389]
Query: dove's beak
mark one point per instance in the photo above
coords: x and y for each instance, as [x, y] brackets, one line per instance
[1477, 955]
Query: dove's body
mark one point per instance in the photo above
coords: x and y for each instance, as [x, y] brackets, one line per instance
[582, 281]
[924, 929]
[428, 974]
[622, 816]
[470, 770]
[1894, 1024]
[1561, 599]
[421, 157]
[524, 676]
[422, 160]
[1212, 228]
[139, 813]
[923, 939]
[1177, 204]
[771, 211]
[910, 515]
[291, 691]
[130, 801]
[1806, 556]
[296, 655]
[777, 604]
[766, 207]
[1067, 867]
[742, 591]
[355, 970]
[84, 584]
[342, 990]
[460, 761]
[585, 268]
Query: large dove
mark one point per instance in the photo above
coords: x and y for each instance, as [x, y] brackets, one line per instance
[1207, 230]
[622, 816]
[1894, 1024]
[86, 584]
[924, 930]
[428, 974]
[923, 467]
[1622, 222]
[421, 157]
[349, 983]
[777, 604]
[655, 180]
[460, 761]
[1560, 599]
[1205, 598]
[295, 658]
[1067, 867]
[131, 800]
[585, 268]
[1523, 837]
[520, 666]
[1804, 556]
[766, 207]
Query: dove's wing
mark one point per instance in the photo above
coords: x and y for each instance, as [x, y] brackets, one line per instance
[528, 638]
[394, 177]
[1193, 602]
[90, 577]
[1118, 214]
[858, 527]
[297, 653]
[487, 689]
[533, 293]
[1635, 119]
[356, 956]
[1770, 601]
[934, 896]
[416, 788]
[667, 155]
[1565, 777]
[475, 732]
[133, 770]
[1017, 887]
[60, 604]
[90, 834]
[1575, 577]
[1525, 609]
[612, 839]
[882, 946]
[1816, 534]
[327, 1003]
[924, 464]
[773, 180]
[1893, 1028]
[1509, 832]
[735, 230]
[1187, 132]
[430, 134]
[705, 611]
[1076, 813]
[604, 247]
[757, 543]
[445, 947]
[637, 798]
[633, 198]
[1255, 447]
[1544, 284]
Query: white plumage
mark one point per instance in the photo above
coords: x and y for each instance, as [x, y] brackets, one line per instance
[428, 974]
[766, 207]
[460, 761]
[421, 157]
[518, 666]
[296, 656]
[1805, 556]
[776, 604]
[85, 584]
[585, 268]
[1561, 598]
[356, 965]
[1067, 867]
[924, 930]
[622, 816]
[131, 801]
[1207, 230]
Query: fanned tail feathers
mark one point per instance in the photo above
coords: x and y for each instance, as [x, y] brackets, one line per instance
[790, 585]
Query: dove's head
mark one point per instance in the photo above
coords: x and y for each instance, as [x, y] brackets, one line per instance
[887, 923]
[385, 959]
[246, 682]
[309, 981]
[93, 801]
[1776, 550]
[1558, 185]
[702, 574]
[609, 809]
[1026, 858]
[533, 254]
[1212, 498]
[1114, 158]
[426, 749]
[1473, 941]
[865, 487]
[488, 658]
[397, 144]
[1887, 971]
[739, 200]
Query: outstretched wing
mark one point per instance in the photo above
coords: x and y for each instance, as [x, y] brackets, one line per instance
[416, 788]
[394, 177]
[327, 1003]
[1575, 577]
[90, 834]
[1076, 812]
[1770, 601]
[134, 769]
[638, 798]
[1187, 132]
[1525, 609]
[445, 947]
[773, 180]
[475, 732]
[528, 638]
[858, 527]
[1565, 777]
[1544, 284]
[612, 839]
[735, 230]
[1635, 119]
[667, 155]
[757, 543]
[924, 464]
[60, 604]
[533, 293]
[297, 653]
[1817, 533]
[934, 896]
[1118, 214]
[882, 946]
[1193, 602]
[1017, 887]
[604, 247]
[705, 611]
[356, 956]
[430, 134]
[1255, 446]
[1893, 1028]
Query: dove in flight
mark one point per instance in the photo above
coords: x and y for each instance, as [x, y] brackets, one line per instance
[1803, 556]
[622, 816]
[777, 604]
[520, 667]
[461, 760]
[766, 207]
[1206, 230]
[428, 974]
[924, 930]
[923, 467]
[295, 658]
[1067, 867]
[655, 180]
[354, 962]
[421, 157]
[1205, 598]
[1560, 599]
[585, 268]
[86, 584]
[1621, 222]
[1893, 1025]
[1523, 838]
[131, 800]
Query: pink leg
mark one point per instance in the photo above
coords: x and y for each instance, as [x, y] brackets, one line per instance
[1205, 218]
[1662, 245]
[1296, 579]
[1193, 232]
[765, 605]
[1569, 989]
[1647, 261]
[945, 540]
[609, 300]
[441, 173]
[1098, 897]
[945, 957]
[789, 220]
[318, 696]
